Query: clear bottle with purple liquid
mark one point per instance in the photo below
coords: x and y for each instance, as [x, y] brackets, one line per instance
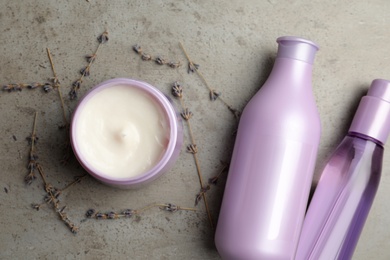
[348, 184]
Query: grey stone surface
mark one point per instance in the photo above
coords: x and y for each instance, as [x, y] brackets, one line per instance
[234, 42]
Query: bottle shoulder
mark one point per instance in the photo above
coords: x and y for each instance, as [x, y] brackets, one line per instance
[282, 116]
[287, 99]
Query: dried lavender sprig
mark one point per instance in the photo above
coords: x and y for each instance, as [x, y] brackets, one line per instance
[36, 206]
[90, 58]
[57, 85]
[214, 180]
[213, 94]
[164, 206]
[51, 198]
[192, 67]
[173, 208]
[192, 148]
[12, 87]
[146, 57]
[31, 166]
[128, 213]
[158, 60]
[66, 125]
[186, 114]
[54, 191]
[85, 72]
[201, 194]
[177, 91]
[57, 192]
[103, 38]
[64, 217]
[174, 65]
[77, 179]
[92, 213]
[138, 49]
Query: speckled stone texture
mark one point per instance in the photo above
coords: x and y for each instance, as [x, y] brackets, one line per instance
[234, 43]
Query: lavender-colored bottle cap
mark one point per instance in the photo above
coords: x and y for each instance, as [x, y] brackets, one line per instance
[372, 117]
[380, 88]
[297, 48]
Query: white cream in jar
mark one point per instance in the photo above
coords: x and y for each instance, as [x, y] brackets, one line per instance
[121, 131]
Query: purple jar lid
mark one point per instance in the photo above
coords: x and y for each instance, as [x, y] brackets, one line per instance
[172, 149]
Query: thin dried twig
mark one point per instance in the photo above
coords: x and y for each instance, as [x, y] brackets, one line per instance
[85, 72]
[213, 94]
[32, 163]
[52, 193]
[57, 85]
[66, 125]
[12, 87]
[177, 91]
[52, 199]
[158, 59]
[76, 180]
[128, 213]
[215, 179]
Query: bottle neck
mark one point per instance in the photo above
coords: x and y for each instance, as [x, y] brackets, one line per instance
[297, 48]
[294, 72]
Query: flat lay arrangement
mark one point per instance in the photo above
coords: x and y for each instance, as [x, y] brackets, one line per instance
[198, 130]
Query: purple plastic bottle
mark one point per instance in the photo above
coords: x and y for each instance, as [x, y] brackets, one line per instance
[273, 161]
[349, 182]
